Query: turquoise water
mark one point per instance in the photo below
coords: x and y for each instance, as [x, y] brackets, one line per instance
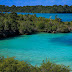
[37, 47]
[64, 16]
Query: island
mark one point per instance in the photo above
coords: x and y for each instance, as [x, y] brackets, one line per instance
[37, 9]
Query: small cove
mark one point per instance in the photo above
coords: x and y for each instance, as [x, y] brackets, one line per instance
[37, 47]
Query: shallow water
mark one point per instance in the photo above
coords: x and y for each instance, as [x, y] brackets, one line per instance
[37, 47]
[64, 16]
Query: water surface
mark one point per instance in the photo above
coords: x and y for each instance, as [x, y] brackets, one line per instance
[37, 47]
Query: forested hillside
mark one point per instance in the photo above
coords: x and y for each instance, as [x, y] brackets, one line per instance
[37, 9]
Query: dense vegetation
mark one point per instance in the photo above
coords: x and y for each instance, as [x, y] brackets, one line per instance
[12, 65]
[37, 9]
[13, 24]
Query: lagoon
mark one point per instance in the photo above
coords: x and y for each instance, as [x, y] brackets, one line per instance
[37, 47]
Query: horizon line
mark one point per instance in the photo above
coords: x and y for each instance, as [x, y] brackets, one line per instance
[37, 5]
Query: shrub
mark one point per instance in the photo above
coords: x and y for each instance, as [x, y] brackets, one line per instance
[12, 65]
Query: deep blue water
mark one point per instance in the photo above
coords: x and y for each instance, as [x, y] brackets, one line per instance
[37, 47]
[64, 16]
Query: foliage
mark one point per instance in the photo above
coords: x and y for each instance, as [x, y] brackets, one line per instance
[12, 65]
[12, 24]
[37, 9]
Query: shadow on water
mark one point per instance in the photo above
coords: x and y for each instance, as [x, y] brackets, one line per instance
[66, 39]
[16, 36]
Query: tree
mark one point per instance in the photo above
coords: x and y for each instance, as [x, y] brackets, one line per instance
[6, 25]
[25, 28]
[40, 25]
[1, 26]
[63, 29]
